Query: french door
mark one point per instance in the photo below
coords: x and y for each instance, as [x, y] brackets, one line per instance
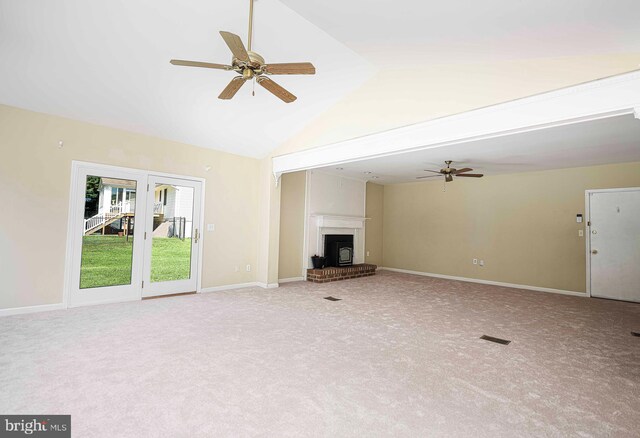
[132, 233]
[172, 237]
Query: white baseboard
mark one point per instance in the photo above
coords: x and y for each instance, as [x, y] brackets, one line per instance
[239, 286]
[267, 285]
[58, 306]
[493, 283]
[290, 280]
[31, 309]
[228, 287]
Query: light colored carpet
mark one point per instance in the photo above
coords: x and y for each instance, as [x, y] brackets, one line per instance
[398, 356]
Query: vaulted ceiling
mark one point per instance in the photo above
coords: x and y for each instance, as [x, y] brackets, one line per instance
[380, 64]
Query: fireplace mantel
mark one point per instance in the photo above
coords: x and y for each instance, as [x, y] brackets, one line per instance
[332, 221]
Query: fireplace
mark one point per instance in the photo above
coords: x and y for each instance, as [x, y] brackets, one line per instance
[338, 250]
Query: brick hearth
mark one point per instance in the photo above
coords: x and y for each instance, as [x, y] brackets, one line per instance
[326, 275]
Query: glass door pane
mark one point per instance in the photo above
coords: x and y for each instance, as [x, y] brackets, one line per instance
[172, 232]
[107, 234]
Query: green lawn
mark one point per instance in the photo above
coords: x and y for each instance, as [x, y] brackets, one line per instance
[106, 260]
[170, 259]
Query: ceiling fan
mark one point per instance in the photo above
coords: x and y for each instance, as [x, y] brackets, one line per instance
[450, 172]
[251, 66]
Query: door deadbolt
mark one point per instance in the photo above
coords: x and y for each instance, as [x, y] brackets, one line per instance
[594, 232]
[594, 251]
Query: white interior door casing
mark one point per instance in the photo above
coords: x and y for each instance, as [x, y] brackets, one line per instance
[614, 244]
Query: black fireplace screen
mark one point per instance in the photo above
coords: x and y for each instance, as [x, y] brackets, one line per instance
[338, 250]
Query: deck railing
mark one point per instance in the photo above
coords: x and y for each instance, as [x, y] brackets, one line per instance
[111, 212]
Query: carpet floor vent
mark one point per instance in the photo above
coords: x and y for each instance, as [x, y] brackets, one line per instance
[332, 298]
[496, 340]
[635, 334]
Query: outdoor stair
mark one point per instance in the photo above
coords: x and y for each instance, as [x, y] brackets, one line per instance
[101, 220]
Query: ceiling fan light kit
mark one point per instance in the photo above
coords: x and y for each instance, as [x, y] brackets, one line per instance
[449, 173]
[250, 65]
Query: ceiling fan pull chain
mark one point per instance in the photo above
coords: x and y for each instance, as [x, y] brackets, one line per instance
[253, 93]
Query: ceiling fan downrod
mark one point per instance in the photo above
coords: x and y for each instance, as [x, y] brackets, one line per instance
[250, 25]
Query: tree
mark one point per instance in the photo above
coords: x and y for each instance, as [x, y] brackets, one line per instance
[92, 196]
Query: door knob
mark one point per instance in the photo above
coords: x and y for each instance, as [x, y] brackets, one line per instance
[594, 251]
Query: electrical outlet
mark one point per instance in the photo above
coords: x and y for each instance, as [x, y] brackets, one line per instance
[367, 253]
[248, 268]
[481, 262]
[211, 227]
[580, 233]
[475, 261]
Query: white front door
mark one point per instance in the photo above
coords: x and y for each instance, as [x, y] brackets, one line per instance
[614, 244]
[106, 246]
[172, 236]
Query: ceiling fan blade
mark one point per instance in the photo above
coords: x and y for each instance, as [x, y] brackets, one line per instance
[470, 175]
[200, 64]
[276, 89]
[434, 171]
[466, 169]
[427, 176]
[231, 89]
[292, 68]
[235, 45]
[448, 177]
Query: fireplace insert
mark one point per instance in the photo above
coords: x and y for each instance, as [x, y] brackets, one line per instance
[338, 249]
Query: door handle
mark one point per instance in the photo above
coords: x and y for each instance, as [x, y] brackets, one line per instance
[594, 251]
[196, 236]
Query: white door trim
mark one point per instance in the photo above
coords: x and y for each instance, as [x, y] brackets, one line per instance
[587, 226]
[73, 200]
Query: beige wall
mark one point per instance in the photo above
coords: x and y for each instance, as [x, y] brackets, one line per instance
[393, 98]
[34, 187]
[292, 201]
[522, 225]
[374, 225]
[384, 102]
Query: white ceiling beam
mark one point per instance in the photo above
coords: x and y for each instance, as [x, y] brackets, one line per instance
[603, 98]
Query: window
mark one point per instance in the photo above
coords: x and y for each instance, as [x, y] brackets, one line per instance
[165, 196]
